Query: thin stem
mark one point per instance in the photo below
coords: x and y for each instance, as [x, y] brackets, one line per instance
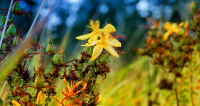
[3, 88]
[35, 18]
[5, 25]
[176, 92]
[191, 87]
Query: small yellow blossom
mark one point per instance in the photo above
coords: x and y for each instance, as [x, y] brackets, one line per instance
[40, 98]
[106, 43]
[96, 31]
[172, 28]
[15, 103]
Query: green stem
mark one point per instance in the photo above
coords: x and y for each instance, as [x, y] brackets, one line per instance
[191, 87]
[176, 91]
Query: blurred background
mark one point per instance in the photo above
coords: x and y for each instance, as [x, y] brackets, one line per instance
[124, 85]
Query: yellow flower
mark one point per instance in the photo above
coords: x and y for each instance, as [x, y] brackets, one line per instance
[96, 31]
[106, 43]
[15, 103]
[172, 28]
[40, 98]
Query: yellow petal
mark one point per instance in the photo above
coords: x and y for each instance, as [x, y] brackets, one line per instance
[84, 37]
[94, 25]
[107, 35]
[113, 42]
[95, 37]
[111, 50]
[186, 24]
[97, 51]
[167, 25]
[166, 35]
[109, 29]
[40, 98]
[90, 44]
[181, 24]
[15, 103]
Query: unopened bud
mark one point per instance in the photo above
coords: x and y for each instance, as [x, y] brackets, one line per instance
[3, 19]
[16, 8]
[50, 48]
[39, 81]
[11, 30]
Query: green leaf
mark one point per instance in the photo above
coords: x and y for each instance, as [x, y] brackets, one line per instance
[1, 102]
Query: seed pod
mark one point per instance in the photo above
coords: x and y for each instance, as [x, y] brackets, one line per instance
[50, 48]
[25, 74]
[16, 8]
[39, 81]
[11, 30]
[3, 19]
[73, 76]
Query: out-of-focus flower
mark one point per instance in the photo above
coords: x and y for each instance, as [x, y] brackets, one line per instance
[105, 42]
[96, 31]
[40, 98]
[172, 28]
[186, 26]
[15, 103]
[192, 5]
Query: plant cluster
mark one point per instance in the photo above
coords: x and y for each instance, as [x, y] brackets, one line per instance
[174, 48]
[36, 86]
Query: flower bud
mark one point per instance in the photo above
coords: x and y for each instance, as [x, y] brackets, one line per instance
[15, 40]
[73, 76]
[25, 74]
[11, 30]
[104, 59]
[91, 62]
[50, 48]
[40, 98]
[39, 81]
[57, 59]
[14, 103]
[16, 8]
[3, 19]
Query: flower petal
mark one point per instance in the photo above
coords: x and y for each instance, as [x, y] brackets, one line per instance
[91, 44]
[167, 25]
[97, 51]
[111, 50]
[15, 103]
[113, 42]
[181, 24]
[40, 98]
[166, 35]
[109, 29]
[84, 37]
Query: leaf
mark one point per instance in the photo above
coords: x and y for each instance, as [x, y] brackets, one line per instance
[1, 102]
